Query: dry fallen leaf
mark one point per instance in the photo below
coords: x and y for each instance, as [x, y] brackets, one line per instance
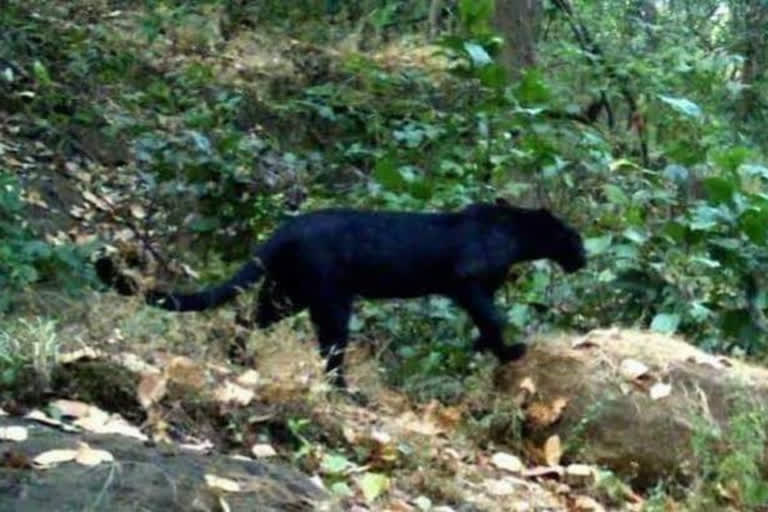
[504, 486]
[110, 424]
[40, 416]
[91, 198]
[183, 370]
[507, 462]
[249, 378]
[224, 484]
[77, 212]
[134, 363]
[410, 422]
[14, 433]
[528, 385]
[553, 450]
[233, 393]
[446, 418]
[88, 456]
[558, 406]
[151, 389]
[632, 369]
[77, 355]
[53, 457]
[660, 390]
[540, 414]
[138, 211]
[350, 434]
[199, 446]
[385, 450]
[263, 450]
[586, 504]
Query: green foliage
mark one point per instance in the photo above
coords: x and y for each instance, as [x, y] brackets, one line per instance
[24, 258]
[675, 236]
[732, 460]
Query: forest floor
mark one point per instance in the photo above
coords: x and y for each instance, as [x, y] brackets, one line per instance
[116, 384]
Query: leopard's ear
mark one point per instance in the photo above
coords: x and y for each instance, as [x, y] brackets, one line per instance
[500, 201]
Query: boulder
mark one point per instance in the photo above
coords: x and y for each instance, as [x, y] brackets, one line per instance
[631, 399]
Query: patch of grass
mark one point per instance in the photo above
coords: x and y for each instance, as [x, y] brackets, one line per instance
[28, 345]
[731, 461]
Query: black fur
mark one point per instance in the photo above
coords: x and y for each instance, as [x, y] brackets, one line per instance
[325, 259]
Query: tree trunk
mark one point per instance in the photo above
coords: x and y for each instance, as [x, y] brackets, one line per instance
[517, 20]
[755, 45]
[434, 17]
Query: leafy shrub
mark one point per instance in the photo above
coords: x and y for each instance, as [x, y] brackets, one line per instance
[24, 258]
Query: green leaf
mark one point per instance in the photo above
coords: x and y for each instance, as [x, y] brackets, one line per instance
[682, 105]
[41, 73]
[451, 42]
[757, 493]
[606, 276]
[623, 163]
[635, 235]
[342, 489]
[707, 262]
[598, 245]
[704, 218]
[492, 75]
[533, 89]
[355, 323]
[732, 158]
[475, 15]
[615, 195]
[754, 224]
[388, 175]
[675, 230]
[477, 54]
[665, 323]
[333, 464]
[519, 315]
[719, 189]
[373, 485]
[421, 189]
[699, 311]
